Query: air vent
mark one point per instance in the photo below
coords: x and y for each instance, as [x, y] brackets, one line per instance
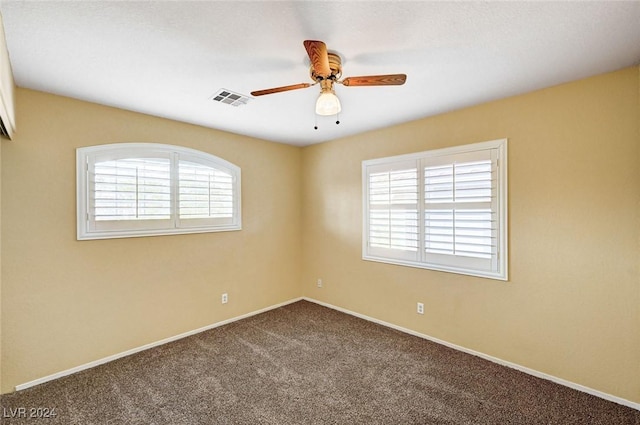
[230, 98]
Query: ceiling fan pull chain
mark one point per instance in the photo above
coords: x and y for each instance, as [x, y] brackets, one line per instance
[337, 118]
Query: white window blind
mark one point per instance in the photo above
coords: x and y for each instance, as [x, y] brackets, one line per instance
[132, 189]
[461, 202]
[142, 189]
[393, 210]
[205, 192]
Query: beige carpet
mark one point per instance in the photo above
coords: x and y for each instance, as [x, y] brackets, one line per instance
[306, 364]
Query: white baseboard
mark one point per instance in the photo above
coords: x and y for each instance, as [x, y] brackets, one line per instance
[524, 369]
[146, 347]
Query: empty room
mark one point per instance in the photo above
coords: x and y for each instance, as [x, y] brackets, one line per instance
[316, 212]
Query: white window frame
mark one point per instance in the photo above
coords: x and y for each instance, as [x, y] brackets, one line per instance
[498, 268]
[86, 225]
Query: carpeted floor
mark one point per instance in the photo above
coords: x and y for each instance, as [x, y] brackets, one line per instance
[306, 364]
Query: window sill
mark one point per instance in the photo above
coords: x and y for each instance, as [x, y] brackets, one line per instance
[146, 233]
[435, 267]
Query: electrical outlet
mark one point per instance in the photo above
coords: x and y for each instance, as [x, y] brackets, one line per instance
[225, 298]
[420, 309]
[319, 283]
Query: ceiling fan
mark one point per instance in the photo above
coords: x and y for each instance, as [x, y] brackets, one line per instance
[326, 70]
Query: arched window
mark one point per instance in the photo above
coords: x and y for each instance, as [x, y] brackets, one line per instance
[147, 189]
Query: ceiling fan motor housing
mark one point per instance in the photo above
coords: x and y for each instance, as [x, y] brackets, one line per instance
[335, 64]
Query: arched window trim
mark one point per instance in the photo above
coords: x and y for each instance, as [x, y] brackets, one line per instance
[174, 217]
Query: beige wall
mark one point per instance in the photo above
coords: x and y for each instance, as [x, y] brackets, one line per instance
[1, 142]
[572, 306]
[66, 303]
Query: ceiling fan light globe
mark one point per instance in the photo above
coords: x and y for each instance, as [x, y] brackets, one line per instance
[328, 104]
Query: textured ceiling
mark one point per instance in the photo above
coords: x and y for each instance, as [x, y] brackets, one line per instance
[169, 58]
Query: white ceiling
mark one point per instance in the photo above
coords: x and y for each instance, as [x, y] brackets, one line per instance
[168, 58]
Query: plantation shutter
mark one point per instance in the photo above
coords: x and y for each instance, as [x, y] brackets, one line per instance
[206, 194]
[444, 209]
[130, 192]
[393, 210]
[148, 189]
[460, 207]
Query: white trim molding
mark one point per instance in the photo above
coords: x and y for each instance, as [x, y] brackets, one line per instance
[528, 371]
[117, 356]
[496, 360]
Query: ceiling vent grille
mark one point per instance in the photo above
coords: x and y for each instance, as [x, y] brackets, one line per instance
[230, 98]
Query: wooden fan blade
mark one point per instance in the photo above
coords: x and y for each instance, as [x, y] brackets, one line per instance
[376, 80]
[280, 89]
[317, 52]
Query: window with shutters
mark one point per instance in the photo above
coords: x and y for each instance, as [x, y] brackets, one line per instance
[146, 189]
[444, 209]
